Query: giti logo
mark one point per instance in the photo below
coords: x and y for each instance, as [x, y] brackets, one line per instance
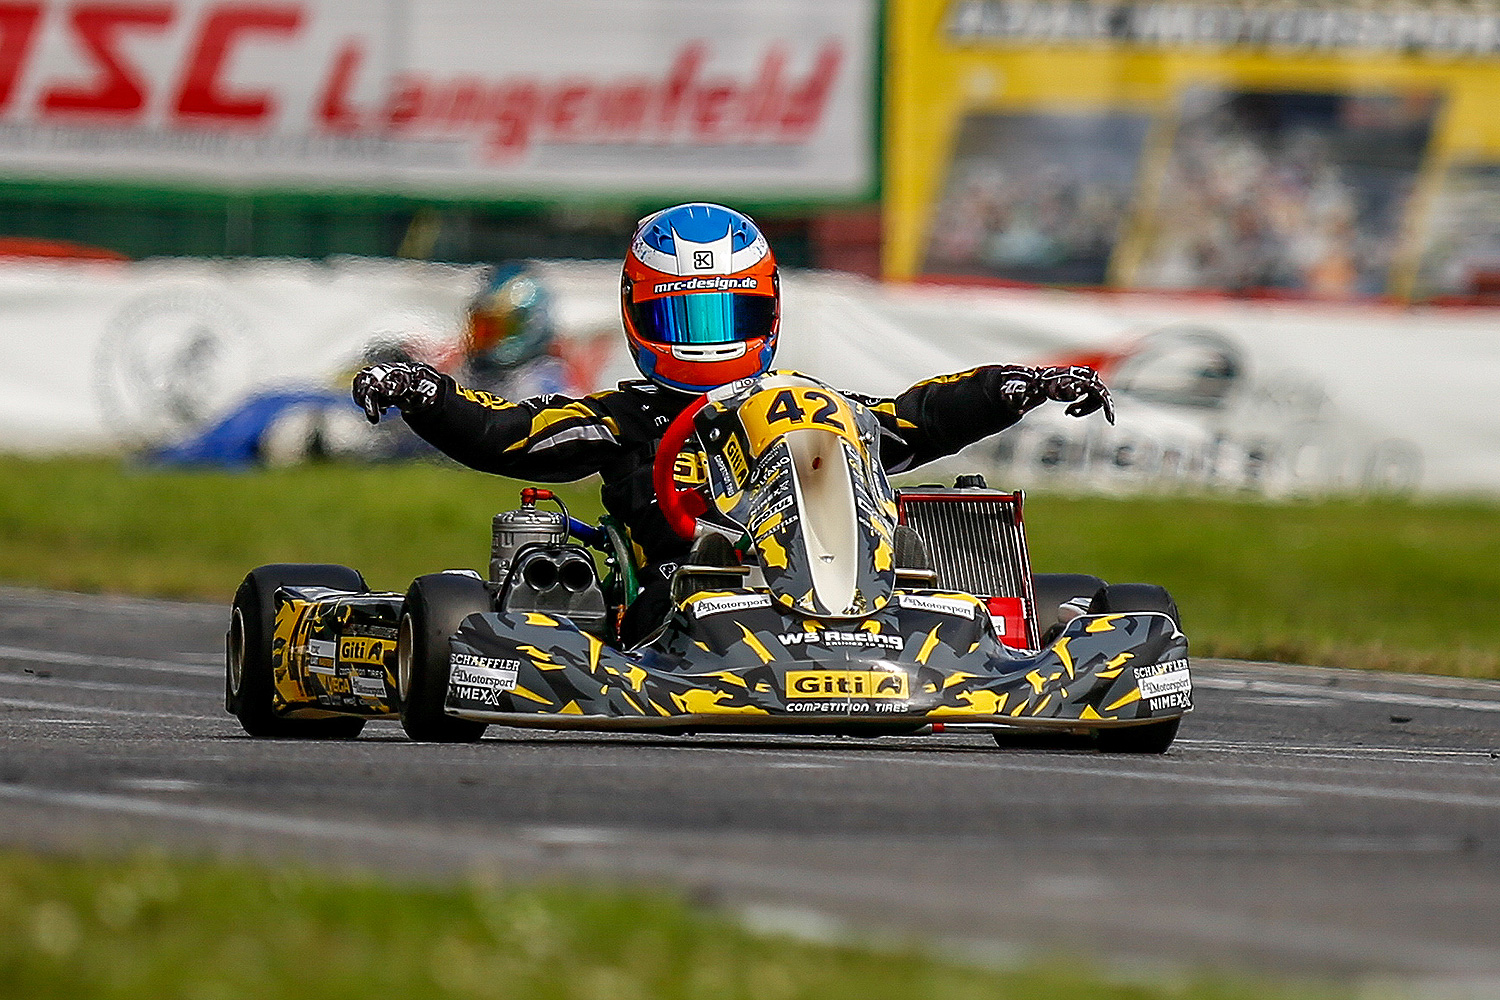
[850, 683]
[357, 649]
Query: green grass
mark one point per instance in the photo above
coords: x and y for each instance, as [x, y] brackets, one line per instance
[148, 929]
[91, 525]
[1385, 584]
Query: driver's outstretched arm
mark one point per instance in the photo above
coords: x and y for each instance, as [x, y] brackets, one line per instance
[941, 415]
[551, 439]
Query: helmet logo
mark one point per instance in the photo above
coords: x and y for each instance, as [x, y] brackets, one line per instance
[714, 256]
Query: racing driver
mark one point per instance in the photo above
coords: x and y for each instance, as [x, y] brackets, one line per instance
[701, 302]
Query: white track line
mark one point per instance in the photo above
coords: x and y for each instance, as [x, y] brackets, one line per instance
[627, 851]
[1277, 747]
[107, 686]
[25, 655]
[1000, 762]
[54, 706]
[263, 822]
[141, 607]
[1344, 694]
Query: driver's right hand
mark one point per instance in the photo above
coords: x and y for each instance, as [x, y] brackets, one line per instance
[405, 385]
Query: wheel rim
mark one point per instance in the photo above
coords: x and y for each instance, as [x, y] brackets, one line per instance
[236, 651]
[405, 640]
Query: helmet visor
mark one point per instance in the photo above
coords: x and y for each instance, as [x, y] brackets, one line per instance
[703, 318]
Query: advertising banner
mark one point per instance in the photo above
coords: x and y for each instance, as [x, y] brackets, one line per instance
[101, 356]
[494, 100]
[1263, 398]
[236, 362]
[1325, 152]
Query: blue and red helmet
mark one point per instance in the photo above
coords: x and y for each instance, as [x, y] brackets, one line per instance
[700, 297]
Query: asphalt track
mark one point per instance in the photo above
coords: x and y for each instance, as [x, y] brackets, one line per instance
[1307, 822]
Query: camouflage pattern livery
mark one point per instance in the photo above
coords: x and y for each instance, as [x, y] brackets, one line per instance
[334, 652]
[766, 439]
[733, 658]
[819, 640]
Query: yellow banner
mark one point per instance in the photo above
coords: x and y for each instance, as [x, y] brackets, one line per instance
[1328, 153]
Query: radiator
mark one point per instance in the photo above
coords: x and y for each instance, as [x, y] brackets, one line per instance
[976, 539]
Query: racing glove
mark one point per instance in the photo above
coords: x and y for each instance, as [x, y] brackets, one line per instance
[402, 384]
[1026, 388]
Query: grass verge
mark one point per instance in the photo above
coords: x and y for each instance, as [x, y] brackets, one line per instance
[1386, 584]
[148, 929]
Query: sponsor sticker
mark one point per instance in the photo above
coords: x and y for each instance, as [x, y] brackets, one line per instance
[359, 649]
[1164, 679]
[369, 685]
[939, 605]
[490, 672]
[320, 656]
[704, 284]
[477, 695]
[864, 640]
[847, 683]
[770, 510]
[722, 605]
[848, 707]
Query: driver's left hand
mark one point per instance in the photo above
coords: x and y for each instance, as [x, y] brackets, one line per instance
[1079, 385]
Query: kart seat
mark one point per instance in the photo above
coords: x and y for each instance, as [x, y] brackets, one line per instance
[913, 563]
[712, 564]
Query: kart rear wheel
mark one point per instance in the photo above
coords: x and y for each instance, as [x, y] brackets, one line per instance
[1152, 737]
[1052, 590]
[435, 605]
[248, 679]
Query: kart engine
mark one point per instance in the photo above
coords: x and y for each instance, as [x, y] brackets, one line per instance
[535, 570]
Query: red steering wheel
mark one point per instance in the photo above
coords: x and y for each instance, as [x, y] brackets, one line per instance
[680, 507]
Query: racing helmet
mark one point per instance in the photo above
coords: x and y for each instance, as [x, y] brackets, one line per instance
[700, 297]
[509, 322]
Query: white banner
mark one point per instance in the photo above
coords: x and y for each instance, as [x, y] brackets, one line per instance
[102, 355]
[498, 99]
[1273, 398]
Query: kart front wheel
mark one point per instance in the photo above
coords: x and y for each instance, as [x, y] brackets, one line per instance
[249, 683]
[1151, 737]
[435, 606]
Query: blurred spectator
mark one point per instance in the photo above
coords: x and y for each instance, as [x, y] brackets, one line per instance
[507, 348]
[1285, 191]
[1038, 198]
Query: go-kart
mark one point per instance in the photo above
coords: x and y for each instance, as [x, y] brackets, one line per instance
[816, 599]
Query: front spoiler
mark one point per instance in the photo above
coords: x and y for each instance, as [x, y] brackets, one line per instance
[809, 723]
[1103, 672]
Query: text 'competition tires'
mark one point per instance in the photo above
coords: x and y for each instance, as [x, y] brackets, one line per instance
[435, 605]
[248, 679]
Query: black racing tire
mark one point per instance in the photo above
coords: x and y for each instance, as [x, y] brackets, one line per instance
[435, 606]
[248, 680]
[1051, 589]
[1124, 597]
[1150, 737]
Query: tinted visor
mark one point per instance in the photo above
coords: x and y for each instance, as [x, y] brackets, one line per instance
[703, 317]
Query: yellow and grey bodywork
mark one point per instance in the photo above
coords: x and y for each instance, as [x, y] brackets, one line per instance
[736, 659]
[334, 653]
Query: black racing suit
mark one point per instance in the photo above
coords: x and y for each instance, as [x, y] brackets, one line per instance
[553, 439]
